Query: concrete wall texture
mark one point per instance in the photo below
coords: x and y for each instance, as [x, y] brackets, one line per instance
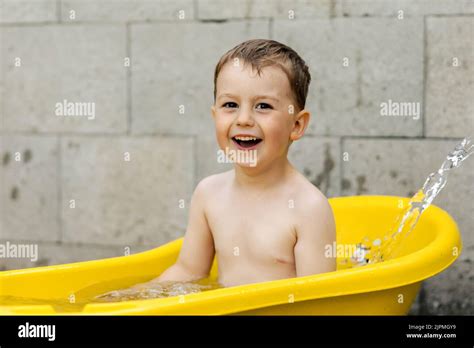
[68, 186]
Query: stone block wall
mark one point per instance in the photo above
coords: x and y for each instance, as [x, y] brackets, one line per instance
[93, 187]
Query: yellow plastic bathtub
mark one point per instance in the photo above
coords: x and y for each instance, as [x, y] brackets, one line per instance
[386, 288]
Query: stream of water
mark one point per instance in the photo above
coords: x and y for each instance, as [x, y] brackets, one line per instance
[386, 247]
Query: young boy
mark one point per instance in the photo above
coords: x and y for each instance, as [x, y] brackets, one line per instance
[263, 219]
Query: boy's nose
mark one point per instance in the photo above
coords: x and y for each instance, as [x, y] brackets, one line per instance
[245, 118]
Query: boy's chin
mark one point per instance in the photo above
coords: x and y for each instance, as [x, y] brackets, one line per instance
[246, 165]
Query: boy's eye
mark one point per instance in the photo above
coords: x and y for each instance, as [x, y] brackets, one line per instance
[267, 106]
[234, 104]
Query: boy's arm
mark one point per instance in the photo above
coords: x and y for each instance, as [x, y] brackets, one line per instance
[197, 252]
[315, 229]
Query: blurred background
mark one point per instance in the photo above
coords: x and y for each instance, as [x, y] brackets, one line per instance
[119, 178]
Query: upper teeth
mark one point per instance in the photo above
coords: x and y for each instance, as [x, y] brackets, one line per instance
[245, 138]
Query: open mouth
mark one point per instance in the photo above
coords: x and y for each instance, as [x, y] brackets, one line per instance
[246, 142]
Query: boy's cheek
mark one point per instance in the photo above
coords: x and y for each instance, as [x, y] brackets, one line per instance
[278, 132]
[222, 138]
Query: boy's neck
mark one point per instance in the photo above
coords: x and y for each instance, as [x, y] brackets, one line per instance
[262, 178]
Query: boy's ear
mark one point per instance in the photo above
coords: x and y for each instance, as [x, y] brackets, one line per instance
[213, 111]
[300, 124]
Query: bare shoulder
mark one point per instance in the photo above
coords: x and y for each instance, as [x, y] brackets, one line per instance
[210, 185]
[309, 195]
[312, 205]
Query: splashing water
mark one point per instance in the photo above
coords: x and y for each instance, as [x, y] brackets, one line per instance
[385, 248]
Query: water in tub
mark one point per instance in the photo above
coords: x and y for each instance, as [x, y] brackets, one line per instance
[76, 301]
[377, 250]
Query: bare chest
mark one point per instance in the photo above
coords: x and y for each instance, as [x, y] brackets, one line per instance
[252, 233]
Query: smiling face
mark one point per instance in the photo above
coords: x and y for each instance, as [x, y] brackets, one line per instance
[251, 106]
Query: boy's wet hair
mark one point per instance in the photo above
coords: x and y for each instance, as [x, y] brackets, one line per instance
[260, 53]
